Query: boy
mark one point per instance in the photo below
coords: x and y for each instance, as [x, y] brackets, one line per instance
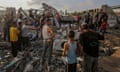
[70, 48]
[14, 38]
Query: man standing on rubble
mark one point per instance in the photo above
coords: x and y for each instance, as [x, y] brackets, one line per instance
[48, 35]
[90, 43]
[26, 27]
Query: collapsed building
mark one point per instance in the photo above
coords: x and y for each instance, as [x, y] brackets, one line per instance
[29, 59]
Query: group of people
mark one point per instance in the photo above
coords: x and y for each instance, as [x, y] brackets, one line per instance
[19, 37]
[20, 41]
[19, 30]
[99, 19]
[92, 30]
[87, 46]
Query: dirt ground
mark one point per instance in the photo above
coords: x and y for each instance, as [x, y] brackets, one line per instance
[111, 63]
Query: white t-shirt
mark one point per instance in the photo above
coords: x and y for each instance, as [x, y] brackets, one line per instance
[25, 30]
[45, 33]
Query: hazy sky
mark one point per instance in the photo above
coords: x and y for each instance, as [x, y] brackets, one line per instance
[70, 5]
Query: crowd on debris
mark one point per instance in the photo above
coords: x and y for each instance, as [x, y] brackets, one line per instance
[91, 27]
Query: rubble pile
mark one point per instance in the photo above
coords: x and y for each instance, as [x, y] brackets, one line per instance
[29, 59]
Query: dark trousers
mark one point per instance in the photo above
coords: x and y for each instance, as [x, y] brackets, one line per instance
[6, 34]
[14, 46]
[72, 67]
[20, 43]
[90, 63]
[25, 42]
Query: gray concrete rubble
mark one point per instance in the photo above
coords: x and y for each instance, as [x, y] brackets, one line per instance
[29, 60]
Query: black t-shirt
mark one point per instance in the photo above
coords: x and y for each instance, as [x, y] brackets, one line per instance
[90, 42]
